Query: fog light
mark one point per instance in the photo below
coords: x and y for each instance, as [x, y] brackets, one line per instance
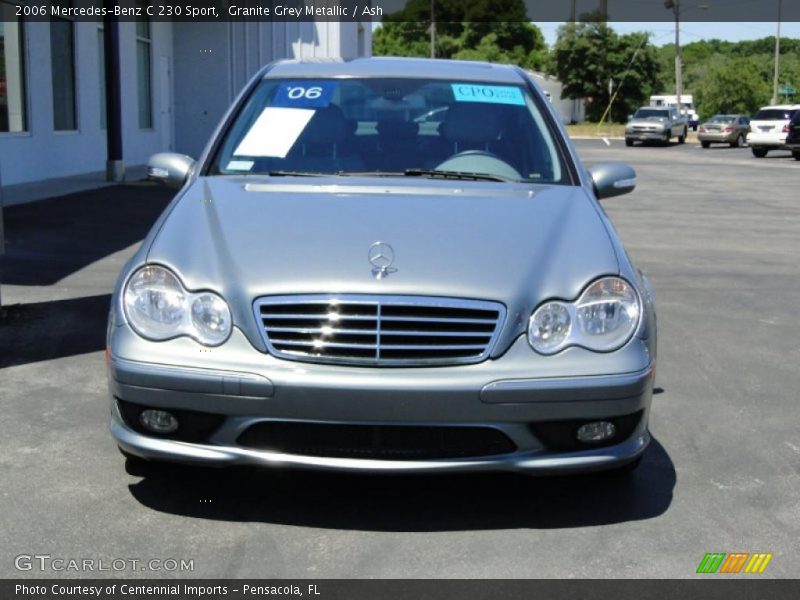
[598, 431]
[158, 421]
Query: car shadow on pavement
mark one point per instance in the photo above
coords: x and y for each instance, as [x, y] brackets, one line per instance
[50, 239]
[52, 329]
[408, 503]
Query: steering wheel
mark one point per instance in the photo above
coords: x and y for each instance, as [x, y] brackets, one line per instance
[479, 161]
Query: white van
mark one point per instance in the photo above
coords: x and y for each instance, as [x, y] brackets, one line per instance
[687, 103]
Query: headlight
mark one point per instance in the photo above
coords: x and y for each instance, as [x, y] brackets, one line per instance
[158, 307]
[603, 318]
[549, 327]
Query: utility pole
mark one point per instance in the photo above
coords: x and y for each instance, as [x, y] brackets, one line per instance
[603, 10]
[433, 30]
[777, 57]
[676, 9]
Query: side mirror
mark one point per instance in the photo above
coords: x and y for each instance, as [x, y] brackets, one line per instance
[169, 168]
[612, 179]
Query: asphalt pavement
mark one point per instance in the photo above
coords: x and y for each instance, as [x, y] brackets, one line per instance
[718, 233]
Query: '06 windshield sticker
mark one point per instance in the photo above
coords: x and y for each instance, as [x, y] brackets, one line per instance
[494, 94]
[304, 94]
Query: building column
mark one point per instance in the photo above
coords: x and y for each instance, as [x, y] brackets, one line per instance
[115, 165]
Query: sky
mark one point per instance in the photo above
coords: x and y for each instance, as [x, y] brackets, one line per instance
[692, 31]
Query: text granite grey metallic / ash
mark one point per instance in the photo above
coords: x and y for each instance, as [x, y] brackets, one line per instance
[496, 325]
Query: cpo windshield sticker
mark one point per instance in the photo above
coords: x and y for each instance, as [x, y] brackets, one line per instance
[304, 94]
[493, 94]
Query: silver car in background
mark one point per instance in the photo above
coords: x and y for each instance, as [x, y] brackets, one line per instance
[724, 129]
[341, 285]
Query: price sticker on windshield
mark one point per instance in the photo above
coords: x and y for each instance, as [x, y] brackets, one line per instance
[304, 94]
[493, 94]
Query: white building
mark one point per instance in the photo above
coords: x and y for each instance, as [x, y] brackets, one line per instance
[177, 80]
[571, 110]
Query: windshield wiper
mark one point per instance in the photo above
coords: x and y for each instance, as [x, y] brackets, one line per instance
[464, 175]
[297, 174]
[461, 175]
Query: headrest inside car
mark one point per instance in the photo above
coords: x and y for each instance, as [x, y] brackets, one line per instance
[327, 126]
[399, 130]
[471, 123]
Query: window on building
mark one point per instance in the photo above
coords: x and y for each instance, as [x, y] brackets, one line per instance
[62, 63]
[12, 71]
[143, 72]
[101, 59]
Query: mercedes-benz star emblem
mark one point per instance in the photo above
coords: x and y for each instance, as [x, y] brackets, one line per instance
[381, 257]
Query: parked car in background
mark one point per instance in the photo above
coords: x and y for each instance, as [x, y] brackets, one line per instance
[769, 127]
[793, 137]
[337, 286]
[656, 125]
[724, 129]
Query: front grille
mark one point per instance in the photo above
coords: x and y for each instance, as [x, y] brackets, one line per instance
[379, 330]
[379, 442]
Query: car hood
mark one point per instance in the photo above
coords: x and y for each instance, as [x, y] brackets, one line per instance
[510, 243]
[650, 121]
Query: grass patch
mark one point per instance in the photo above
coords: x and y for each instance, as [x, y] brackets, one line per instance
[592, 130]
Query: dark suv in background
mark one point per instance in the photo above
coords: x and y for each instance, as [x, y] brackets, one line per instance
[793, 137]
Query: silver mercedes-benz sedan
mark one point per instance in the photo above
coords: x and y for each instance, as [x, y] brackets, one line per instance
[385, 265]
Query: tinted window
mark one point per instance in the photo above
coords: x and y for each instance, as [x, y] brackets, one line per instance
[774, 114]
[651, 113]
[721, 119]
[384, 126]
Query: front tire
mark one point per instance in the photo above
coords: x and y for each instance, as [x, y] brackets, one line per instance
[682, 138]
[759, 152]
[705, 144]
[739, 143]
[796, 154]
[628, 142]
[667, 138]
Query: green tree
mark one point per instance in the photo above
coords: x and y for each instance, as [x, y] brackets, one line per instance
[493, 30]
[731, 85]
[710, 68]
[593, 62]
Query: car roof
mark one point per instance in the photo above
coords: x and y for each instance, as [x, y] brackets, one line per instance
[780, 106]
[412, 68]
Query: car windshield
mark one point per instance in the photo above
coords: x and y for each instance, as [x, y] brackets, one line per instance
[774, 114]
[375, 126]
[722, 119]
[651, 113]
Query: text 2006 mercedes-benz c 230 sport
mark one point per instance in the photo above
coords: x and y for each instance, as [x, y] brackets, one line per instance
[385, 265]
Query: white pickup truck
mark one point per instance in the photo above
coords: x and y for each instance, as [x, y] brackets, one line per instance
[649, 124]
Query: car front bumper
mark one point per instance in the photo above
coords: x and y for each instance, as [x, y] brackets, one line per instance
[642, 136]
[511, 394]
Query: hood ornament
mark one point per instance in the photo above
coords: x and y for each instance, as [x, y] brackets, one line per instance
[381, 257]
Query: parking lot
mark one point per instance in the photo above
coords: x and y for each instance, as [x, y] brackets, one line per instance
[718, 233]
